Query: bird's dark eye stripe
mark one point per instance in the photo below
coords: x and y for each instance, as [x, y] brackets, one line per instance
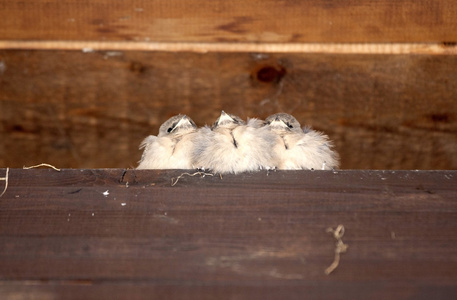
[172, 127]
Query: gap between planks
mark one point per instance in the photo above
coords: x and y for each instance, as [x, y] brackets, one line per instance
[324, 48]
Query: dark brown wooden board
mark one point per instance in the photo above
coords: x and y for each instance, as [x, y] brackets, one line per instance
[91, 110]
[230, 20]
[247, 236]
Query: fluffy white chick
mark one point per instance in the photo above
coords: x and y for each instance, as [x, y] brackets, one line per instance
[234, 146]
[172, 147]
[301, 148]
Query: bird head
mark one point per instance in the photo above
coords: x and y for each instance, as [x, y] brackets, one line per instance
[227, 121]
[283, 122]
[177, 125]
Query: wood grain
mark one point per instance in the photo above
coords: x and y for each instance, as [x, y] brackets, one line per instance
[91, 110]
[230, 21]
[247, 236]
[321, 48]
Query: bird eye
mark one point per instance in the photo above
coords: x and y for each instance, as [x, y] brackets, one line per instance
[173, 126]
[289, 125]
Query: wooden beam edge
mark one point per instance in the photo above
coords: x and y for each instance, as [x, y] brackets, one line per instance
[324, 48]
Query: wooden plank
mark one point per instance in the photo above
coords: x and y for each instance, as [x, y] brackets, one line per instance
[249, 236]
[324, 48]
[75, 109]
[230, 20]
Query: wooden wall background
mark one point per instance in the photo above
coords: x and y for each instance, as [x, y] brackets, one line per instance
[230, 20]
[82, 83]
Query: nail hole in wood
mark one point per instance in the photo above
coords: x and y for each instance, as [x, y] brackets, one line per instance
[449, 44]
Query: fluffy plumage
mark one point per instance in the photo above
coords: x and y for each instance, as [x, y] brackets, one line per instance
[234, 146]
[172, 147]
[301, 148]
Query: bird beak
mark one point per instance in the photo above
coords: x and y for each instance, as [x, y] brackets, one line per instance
[184, 121]
[278, 123]
[224, 117]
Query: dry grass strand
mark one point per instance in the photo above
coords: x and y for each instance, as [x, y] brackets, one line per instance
[6, 181]
[41, 165]
[203, 174]
[340, 247]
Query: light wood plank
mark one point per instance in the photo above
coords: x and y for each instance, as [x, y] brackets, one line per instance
[322, 48]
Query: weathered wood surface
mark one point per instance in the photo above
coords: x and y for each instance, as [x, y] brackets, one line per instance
[249, 236]
[91, 110]
[446, 48]
[230, 20]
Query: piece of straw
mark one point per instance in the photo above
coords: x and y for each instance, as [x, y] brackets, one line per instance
[41, 165]
[340, 247]
[6, 181]
[203, 174]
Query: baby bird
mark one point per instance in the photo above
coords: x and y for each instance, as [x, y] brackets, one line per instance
[301, 149]
[232, 146]
[172, 147]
